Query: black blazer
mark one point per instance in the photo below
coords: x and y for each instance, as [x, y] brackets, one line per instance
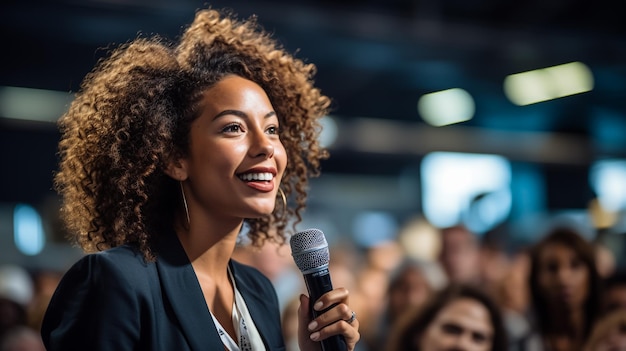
[116, 301]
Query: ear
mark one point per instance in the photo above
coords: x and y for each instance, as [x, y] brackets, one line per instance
[177, 169]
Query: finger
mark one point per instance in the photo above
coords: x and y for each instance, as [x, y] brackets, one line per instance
[350, 332]
[340, 312]
[336, 296]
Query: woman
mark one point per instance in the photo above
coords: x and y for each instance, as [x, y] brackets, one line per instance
[564, 287]
[411, 284]
[459, 317]
[165, 153]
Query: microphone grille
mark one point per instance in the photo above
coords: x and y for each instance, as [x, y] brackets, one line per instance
[309, 250]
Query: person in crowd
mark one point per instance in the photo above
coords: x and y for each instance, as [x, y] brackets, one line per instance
[411, 284]
[494, 259]
[565, 288]
[372, 274]
[170, 154]
[21, 338]
[605, 260]
[459, 317]
[45, 283]
[460, 255]
[16, 293]
[609, 333]
[513, 297]
[614, 292]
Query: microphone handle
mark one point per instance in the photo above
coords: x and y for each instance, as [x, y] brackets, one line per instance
[318, 283]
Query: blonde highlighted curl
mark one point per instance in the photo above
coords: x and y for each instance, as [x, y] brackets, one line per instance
[132, 116]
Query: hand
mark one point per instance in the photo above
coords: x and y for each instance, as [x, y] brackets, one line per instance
[336, 321]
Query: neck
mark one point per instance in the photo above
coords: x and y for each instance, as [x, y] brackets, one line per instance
[209, 246]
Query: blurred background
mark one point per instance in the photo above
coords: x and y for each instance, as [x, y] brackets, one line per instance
[495, 114]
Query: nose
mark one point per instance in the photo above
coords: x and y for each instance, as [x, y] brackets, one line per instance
[261, 145]
[563, 275]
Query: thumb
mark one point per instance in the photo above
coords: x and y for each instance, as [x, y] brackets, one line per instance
[304, 310]
[304, 341]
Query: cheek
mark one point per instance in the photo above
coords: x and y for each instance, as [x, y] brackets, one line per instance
[582, 280]
[433, 339]
[281, 156]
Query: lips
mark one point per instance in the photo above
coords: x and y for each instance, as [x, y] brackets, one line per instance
[259, 178]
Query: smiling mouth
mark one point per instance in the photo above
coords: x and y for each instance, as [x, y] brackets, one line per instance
[256, 177]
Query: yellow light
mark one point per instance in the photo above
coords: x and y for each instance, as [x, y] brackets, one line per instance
[548, 83]
[446, 107]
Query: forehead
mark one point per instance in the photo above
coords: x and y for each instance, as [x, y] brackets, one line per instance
[557, 250]
[468, 313]
[233, 89]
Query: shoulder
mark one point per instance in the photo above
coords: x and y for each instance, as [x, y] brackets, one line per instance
[117, 267]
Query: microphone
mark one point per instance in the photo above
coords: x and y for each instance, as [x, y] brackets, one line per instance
[310, 252]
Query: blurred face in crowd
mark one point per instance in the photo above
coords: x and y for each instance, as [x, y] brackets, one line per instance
[563, 277]
[460, 255]
[615, 298]
[411, 289]
[463, 325]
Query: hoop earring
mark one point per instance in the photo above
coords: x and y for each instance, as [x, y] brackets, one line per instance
[284, 198]
[182, 191]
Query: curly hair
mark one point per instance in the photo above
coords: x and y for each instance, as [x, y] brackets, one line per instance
[132, 116]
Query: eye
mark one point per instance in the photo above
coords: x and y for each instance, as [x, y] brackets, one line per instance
[551, 266]
[576, 263]
[452, 329]
[479, 337]
[272, 130]
[232, 128]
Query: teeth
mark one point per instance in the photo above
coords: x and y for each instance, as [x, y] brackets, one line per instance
[256, 176]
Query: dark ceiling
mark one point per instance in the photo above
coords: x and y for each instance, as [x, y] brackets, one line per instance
[374, 58]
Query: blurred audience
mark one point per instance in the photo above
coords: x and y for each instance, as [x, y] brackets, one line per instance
[614, 293]
[565, 288]
[16, 292]
[45, 283]
[609, 334]
[460, 318]
[21, 338]
[605, 260]
[372, 279]
[411, 284]
[464, 293]
[494, 262]
[460, 255]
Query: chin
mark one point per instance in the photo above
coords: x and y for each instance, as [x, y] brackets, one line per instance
[261, 212]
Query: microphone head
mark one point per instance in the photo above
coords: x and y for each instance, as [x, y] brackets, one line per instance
[310, 250]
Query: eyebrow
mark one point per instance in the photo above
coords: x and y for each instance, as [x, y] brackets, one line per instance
[241, 114]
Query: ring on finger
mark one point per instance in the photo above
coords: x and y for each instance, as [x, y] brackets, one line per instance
[352, 318]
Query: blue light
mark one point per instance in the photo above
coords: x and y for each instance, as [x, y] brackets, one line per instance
[27, 230]
[452, 180]
[372, 228]
[608, 179]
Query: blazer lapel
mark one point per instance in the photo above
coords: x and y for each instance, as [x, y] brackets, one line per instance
[182, 290]
[259, 306]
